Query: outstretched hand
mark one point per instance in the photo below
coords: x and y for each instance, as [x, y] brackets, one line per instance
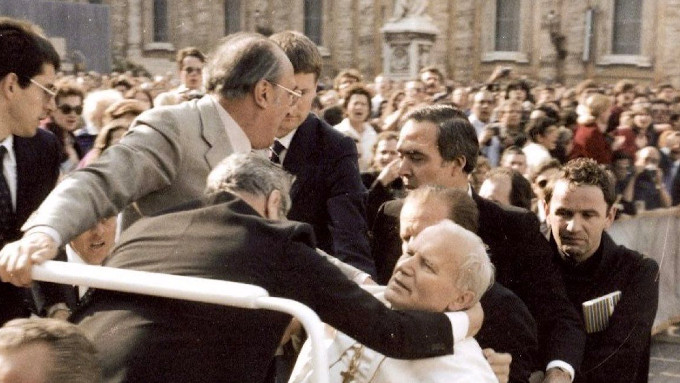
[17, 258]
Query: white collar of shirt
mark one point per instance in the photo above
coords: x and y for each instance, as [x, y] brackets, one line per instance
[73, 257]
[239, 141]
[9, 168]
[285, 141]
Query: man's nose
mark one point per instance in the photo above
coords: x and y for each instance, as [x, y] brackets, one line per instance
[574, 224]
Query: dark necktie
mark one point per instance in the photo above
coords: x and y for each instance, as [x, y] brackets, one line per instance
[6, 210]
[276, 151]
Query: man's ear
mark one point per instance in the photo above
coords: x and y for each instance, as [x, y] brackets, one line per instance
[462, 302]
[273, 205]
[611, 215]
[9, 84]
[262, 94]
[460, 162]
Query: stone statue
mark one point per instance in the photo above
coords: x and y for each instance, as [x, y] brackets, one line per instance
[404, 9]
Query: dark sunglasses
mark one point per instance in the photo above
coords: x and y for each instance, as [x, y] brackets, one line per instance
[191, 70]
[67, 109]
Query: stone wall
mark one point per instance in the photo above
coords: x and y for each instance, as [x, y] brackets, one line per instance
[351, 36]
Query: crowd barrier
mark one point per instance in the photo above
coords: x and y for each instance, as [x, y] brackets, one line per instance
[656, 234]
[190, 288]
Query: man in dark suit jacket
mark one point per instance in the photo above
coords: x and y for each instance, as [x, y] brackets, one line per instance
[579, 207]
[438, 147]
[237, 237]
[29, 166]
[328, 193]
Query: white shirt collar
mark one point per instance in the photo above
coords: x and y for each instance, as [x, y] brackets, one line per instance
[287, 139]
[238, 138]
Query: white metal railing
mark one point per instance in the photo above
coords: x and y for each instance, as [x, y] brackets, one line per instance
[193, 289]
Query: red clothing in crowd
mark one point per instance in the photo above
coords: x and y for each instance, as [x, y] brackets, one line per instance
[590, 142]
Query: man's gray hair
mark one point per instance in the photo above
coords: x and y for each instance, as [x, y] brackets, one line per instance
[253, 174]
[476, 272]
[74, 357]
[239, 62]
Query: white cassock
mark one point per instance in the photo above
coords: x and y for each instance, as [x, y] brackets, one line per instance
[466, 364]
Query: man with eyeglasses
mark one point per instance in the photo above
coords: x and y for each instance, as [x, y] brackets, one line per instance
[327, 193]
[190, 62]
[29, 157]
[166, 156]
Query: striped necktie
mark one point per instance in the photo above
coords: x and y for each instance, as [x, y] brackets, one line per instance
[276, 150]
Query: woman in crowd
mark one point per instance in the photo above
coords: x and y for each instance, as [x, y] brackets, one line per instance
[65, 119]
[590, 140]
[542, 133]
[357, 105]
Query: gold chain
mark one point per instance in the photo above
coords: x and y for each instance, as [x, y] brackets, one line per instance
[348, 376]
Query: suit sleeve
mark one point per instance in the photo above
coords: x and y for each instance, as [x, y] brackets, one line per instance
[385, 244]
[145, 160]
[509, 328]
[616, 353]
[346, 208]
[310, 279]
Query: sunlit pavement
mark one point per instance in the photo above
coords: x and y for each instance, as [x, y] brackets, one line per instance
[664, 366]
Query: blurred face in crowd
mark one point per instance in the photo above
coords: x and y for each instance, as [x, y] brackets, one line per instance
[26, 364]
[306, 84]
[415, 91]
[577, 216]
[385, 152]
[625, 99]
[67, 114]
[648, 158]
[460, 98]
[515, 161]
[358, 108]
[383, 86]
[549, 138]
[497, 189]
[518, 94]
[94, 245]
[666, 94]
[541, 181]
[511, 115]
[425, 275]
[546, 95]
[673, 143]
[191, 74]
[421, 163]
[642, 120]
[432, 82]
[346, 81]
[661, 113]
[483, 105]
[620, 168]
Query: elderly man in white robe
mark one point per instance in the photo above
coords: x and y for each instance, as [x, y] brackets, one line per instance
[432, 275]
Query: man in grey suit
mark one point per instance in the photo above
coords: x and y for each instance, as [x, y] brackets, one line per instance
[168, 153]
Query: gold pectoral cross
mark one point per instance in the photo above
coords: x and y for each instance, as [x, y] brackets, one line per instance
[348, 376]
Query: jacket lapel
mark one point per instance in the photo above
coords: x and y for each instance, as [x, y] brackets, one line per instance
[213, 131]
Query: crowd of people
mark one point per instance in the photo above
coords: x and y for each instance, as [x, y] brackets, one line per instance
[447, 232]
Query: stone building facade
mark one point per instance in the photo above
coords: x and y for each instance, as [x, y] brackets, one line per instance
[548, 40]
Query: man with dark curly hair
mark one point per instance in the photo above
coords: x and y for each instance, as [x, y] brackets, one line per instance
[597, 272]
